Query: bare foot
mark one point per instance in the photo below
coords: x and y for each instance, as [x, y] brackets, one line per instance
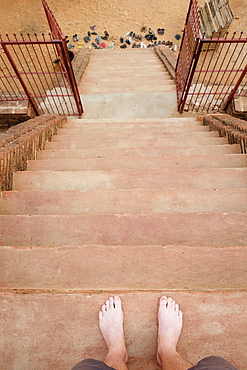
[170, 326]
[111, 326]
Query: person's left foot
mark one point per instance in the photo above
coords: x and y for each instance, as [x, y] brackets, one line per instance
[111, 326]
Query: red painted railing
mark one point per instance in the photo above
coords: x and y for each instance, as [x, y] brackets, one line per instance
[28, 71]
[209, 71]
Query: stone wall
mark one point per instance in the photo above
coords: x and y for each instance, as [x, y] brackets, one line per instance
[22, 142]
[169, 59]
[233, 128]
[80, 63]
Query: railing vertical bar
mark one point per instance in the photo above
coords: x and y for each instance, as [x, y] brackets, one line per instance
[31, 100]
[222, 94]
[198, 77]
[47, 68]
[58, 80]
[27, 76]
[41, 89]
[12, 78]
[213, 70]
[231, 95]
[190, 77]
[67, 102]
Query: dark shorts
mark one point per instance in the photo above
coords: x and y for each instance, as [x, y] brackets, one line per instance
[213, 363]
[207, 363]
[91, 364]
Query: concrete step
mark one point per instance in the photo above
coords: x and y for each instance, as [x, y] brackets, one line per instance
[136, 65]
[137, 163]
[113, 105]
[135, 75]
[131, 179]
[122, 268]
[123, 201]
[119, 88]
[133, 122]
[58, 322]
[200, 229]
[136, 131]
[128, 143]
[124, 136]
[140, 151]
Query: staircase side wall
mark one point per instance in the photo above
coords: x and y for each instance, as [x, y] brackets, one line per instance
[22, 142]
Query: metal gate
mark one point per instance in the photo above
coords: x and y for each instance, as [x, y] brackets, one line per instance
[38, 69]
[209, 71]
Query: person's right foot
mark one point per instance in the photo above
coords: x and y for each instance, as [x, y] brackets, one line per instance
[111, 326]
[170, 326]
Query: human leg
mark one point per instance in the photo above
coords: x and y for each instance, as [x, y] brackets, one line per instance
[111, 326]
[170, 326]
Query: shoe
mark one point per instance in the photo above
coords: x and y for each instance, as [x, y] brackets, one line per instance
[124, 46]
[86, 39]
[89, 34]
[71, 46]
[75, 37]
[128, 41]
[56, 61]
[177, 37]
[106, 34]
[97, 39]
[121, 39]
[93, 33]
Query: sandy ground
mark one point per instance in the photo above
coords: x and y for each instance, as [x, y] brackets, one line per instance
[113, 16]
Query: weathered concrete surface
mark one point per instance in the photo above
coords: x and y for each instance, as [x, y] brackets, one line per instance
[123, 201]
[196, 229]
[52, 331]
[141, 151]
[127, 104]
[136, 163]
[68, 268]
[129, 179]
[128, 136]
[183, 141]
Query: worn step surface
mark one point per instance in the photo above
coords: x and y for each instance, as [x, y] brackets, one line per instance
[140, 151]
[68, 268]
[196, 229]
[124, 201]
[72, 316]
[125, 143]
[107, 163]
[125, 136]
[145, 104]
[211, 178]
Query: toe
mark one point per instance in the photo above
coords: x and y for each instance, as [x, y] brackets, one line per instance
[107, 304]
[111, 303]
[169, 302]
[103, 309]
[117, 302]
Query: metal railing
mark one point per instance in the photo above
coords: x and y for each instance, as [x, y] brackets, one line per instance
[209, 71]
[38, 69]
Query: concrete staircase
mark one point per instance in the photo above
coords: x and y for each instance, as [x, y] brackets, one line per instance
[127, 205]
